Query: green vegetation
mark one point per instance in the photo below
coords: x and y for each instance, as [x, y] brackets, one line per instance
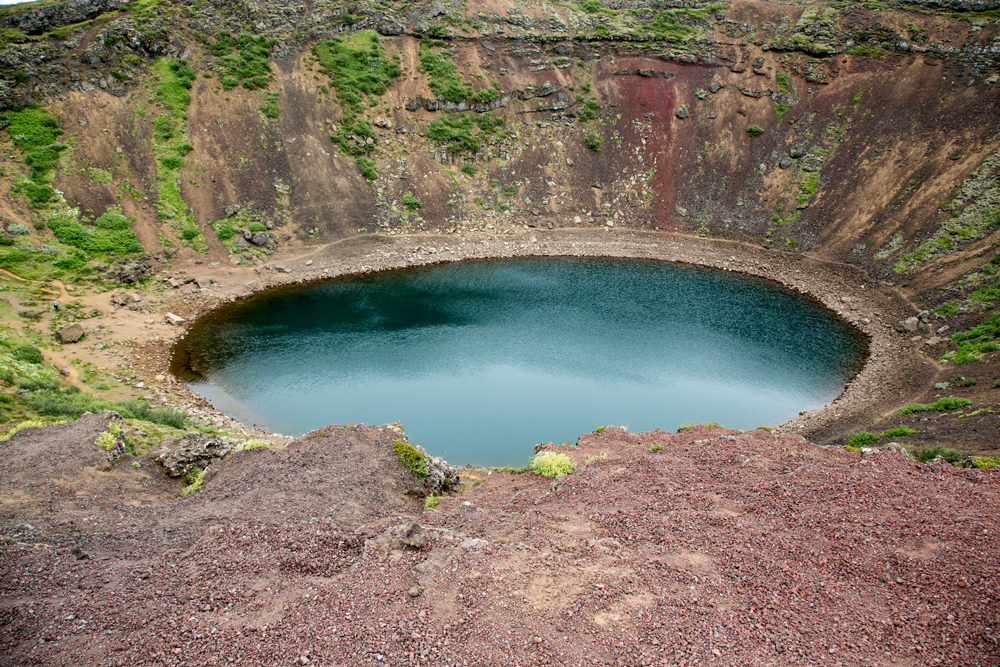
[656, 447]
[857, 97]
[169, 138]
[29, 423]
[431, 501]
[781, 79]
[755, 130]
[248, 65]
[985, 462]
[941, 405]
[595, 141]
[367, 168]
[600, 429]
[972, 214]
[357, 67]
[358, 71]
[930, 453]
[456, 132]
[410, 201]
[978, 341]
[588, 111]
[195, 478]
[174, 89]
[255, 443]
[34, 132]
[591, 6]
[108, 439]
[112, 233]
[270, 107]
[551, 464]
[597, 457]
[863, 438]
[468, 170]
[444, 79]
[411, 458]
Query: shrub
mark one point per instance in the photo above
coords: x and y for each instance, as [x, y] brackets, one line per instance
[591, 6]
[432, 501]
[27, 353]
[257, 227]
[172, 162]
[656, 447]
[37, 195]
[189, 233]
[930, 453]
[985, 462]
[112, 220]
[861, 438]
[411, 458]
[456, 132]
[17, 229]
[755, 130]
[224, 230]
[468, 170]
[551, 464]
[410, 202]
[595, 142]
[597, 457]
[165, 128]
[367, 168]
[270, 107]
[941, 405]
[898, 432]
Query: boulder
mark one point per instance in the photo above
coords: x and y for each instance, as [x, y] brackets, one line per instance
[259, 238]
[179, 456]
[133, 272]
[909, 325]
[173, 319]
[682, 113]
[70, 334]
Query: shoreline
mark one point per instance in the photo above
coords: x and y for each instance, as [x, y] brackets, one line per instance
[893, 369]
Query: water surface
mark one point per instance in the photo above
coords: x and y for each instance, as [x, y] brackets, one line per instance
[482, 360]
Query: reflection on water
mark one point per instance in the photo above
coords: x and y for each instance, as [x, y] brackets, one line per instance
[482, 360]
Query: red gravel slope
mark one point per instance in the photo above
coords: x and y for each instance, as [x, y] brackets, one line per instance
[723, 548]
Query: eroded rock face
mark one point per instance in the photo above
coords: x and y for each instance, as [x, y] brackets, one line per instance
[441, 477]
[178, 456]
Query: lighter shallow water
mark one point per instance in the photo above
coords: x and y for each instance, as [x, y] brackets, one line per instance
[481, 360]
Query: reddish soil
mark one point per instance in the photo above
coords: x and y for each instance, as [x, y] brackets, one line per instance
[722, 548]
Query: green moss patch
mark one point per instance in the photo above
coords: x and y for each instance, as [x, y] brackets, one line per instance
[411, 458]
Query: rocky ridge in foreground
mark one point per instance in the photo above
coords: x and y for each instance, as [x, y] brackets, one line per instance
[710, 545]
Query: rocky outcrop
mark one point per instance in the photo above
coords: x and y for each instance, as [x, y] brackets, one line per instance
[179, 456]
[38, 20]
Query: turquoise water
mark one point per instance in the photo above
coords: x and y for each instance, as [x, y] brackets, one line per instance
[481, 360]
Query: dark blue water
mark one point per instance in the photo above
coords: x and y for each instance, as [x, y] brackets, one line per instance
[482, 360]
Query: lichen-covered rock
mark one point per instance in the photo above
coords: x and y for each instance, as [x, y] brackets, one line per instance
[178, 456]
